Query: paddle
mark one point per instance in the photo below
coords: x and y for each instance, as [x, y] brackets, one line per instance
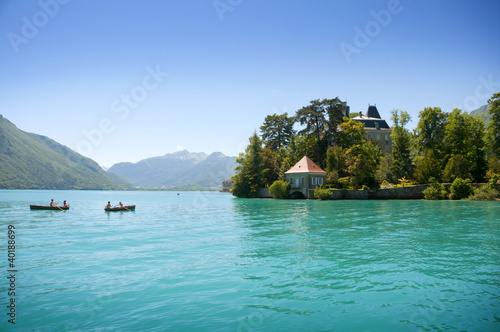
[58, 207]
[123, 207]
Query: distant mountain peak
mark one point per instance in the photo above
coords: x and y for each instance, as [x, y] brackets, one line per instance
[185, 154]
[179, 169]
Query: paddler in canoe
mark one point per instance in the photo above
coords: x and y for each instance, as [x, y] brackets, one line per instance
[119, 207]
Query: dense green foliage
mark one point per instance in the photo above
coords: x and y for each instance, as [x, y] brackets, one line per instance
[485, 193]
[277, 130]
[465, 138]
[352, 133]
[250, 171]
[430, 131]
[322, 193]
[444, 146]
[401, 145]
[30, 161]
[435, 191]
[280, 189]
[461, 188]
[494, 125]
[321, 120]
[385, 170]
[271, 165]
[427, 166]
[456, 167]
[362, 161]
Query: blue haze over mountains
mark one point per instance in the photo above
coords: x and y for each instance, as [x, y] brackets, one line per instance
[178, 170]
[32, 161]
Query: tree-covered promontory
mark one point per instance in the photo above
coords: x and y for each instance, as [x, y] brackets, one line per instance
[444, 146]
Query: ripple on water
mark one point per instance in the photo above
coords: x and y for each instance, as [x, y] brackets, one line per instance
[207, 261]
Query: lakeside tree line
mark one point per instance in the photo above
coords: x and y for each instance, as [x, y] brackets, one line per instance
[443, 147]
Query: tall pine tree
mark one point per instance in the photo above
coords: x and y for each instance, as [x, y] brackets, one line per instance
[250, 172]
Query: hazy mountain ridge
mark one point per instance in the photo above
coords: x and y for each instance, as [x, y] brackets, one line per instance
[31, 161]
[482, 112]
[182, 169]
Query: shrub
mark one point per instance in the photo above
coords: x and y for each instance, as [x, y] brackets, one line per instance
[322, 193]
[280, 189]
[386, 185]
[485, 193]
[364, 187]
[493, 180]
[344, 182]
[461, 188]
[436, 191]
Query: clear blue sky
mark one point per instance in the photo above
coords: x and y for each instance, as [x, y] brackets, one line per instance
[222, 66]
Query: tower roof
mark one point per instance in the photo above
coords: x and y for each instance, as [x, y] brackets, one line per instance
[373, 123]
[305, 165]
[372, 112]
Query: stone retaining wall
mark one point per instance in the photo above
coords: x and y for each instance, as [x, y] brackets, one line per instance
[410, 192]
[264, 193]
[413, 192]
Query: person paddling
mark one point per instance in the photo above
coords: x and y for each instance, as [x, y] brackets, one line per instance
[52, 203]
[109, 205]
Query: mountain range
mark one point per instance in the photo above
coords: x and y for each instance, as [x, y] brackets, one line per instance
[178, 170]
[31, 161]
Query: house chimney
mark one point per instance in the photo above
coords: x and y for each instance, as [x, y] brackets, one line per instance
[360, 114]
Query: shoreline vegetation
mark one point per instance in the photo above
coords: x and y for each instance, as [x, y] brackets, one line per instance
[445, 191]
[456, 147]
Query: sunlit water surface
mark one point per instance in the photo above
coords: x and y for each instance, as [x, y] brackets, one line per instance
[197, 261]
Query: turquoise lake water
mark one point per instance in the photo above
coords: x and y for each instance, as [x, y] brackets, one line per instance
[203, 261]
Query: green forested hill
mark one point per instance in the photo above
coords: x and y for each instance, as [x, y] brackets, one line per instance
[30, 161]
[482, 112]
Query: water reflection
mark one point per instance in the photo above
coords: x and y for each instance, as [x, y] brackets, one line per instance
[340, 252]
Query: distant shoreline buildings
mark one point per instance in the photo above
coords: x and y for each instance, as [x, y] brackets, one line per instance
[227, 185]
